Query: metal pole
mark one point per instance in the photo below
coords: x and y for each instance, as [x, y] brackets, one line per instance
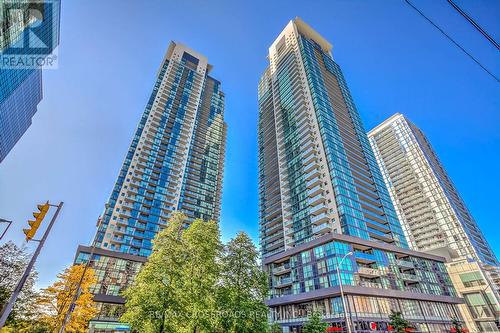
[78, 288]
[344, 303]
[20, 284]
[78, 291]
[8, 226]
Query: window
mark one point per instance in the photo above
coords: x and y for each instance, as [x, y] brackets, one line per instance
[478, 305]
[323, 282]
[306, 257]
[321, 267]
[309, 285]
[308, 271]
[472, 279]
[319, 252]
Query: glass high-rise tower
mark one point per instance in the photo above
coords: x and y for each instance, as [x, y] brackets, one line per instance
[176, 158]
[435, 218]
[322, 197]
[21, 87]
[175, 163]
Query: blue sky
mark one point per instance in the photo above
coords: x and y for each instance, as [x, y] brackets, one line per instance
[393, 61]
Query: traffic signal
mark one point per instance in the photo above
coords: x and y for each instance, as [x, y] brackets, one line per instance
[34, 225]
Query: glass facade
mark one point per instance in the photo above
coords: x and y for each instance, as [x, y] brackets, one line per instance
[365, 310]
[428, 205]
[376, 279]
[114, 272]
[434, 216]
[17, 109]
[21, 89]
[314, 155]
[476, 284]
[322, 196]
[316, 268]
[175, 163]
[175, 160]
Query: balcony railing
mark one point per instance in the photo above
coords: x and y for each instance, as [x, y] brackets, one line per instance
[368, 271]
[283, 282]
[281, 269]
[370, 284]
[404, 263]
[319, 218]
[410, 277]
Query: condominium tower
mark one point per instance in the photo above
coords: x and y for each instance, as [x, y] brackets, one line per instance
[174, 163]
[322, 197]
[21, 86]
[435, 219]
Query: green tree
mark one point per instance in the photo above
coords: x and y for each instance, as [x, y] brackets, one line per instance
[243, 288]
[457, 326]
[314, 324]
[200, 275]
[13, 261]
[175, 290]
[275, 328]
[154, 292]
[399, 324]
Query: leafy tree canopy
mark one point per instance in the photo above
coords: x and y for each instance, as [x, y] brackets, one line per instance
[54, 302]
[13, 262]
[193, 284]
[314, 324]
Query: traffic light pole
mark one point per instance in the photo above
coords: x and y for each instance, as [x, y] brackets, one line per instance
[20, 284]
[9, 223]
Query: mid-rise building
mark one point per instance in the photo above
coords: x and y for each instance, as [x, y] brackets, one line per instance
[114, 272]
[435, 219]
[175, 163]
[479, 286]
[21, 23]
[323, 200]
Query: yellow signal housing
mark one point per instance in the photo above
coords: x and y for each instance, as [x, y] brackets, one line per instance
[34, 225]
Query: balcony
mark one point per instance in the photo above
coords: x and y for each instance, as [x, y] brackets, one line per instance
[405, 264]
[380, 236]
[308, 168]
[281, 269]
[413, 289]
[283, 282]
[313, 182]
[308, 152]
[318, 219]
[318, 209]
[322, 228]
[370, 284]
[309, 159]
[368, 272]
[410, 277]
[315, 200]
[318, 189]
[364, 257]
[311, 173]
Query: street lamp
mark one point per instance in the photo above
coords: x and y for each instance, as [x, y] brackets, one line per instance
[344, 303]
